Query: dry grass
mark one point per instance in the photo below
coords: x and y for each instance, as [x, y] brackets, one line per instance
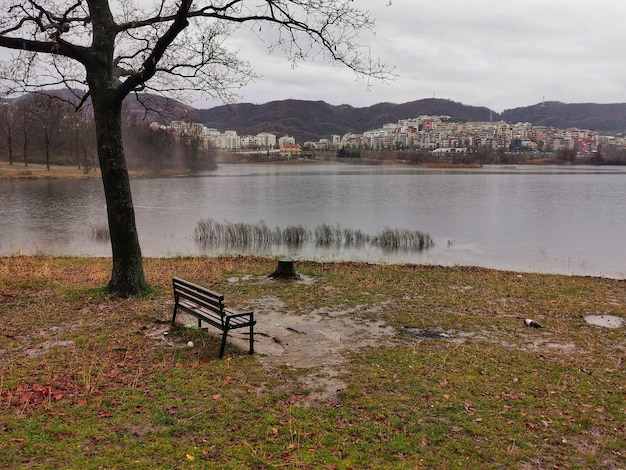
[38, 171]
[89, 382]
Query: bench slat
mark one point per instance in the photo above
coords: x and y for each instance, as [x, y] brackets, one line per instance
[208, 302]
[182, 283]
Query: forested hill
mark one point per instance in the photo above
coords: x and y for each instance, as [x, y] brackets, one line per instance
[605, 118]
[312, 120]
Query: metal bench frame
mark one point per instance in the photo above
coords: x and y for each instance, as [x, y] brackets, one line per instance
[208, 306]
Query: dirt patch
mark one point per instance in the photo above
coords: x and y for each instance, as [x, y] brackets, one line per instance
[317, 342]
[606, 321]
[45, 347]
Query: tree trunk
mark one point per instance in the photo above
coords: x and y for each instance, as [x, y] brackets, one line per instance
[127, 278]
[10, 145]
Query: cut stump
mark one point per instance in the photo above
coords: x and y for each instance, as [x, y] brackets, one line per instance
[285, 270]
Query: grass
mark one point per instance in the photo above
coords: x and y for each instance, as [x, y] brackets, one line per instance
[85, 384]
[19, 171]
[38, 171]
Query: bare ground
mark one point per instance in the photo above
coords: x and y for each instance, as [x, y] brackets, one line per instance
[317, 342]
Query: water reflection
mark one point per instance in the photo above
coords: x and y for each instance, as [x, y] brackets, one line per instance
[547, 219]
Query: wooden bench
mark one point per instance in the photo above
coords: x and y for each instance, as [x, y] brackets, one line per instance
[208, 306]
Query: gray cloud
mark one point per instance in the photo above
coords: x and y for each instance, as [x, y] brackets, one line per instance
[484, 53]
[494, 53]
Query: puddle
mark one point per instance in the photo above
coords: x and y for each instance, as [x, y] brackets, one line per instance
[428, 334]
[607, 321]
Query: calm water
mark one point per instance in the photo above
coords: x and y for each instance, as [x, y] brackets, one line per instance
[543, 219]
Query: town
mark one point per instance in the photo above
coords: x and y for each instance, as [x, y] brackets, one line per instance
[440, 135]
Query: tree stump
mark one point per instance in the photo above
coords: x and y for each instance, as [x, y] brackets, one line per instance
[285, 270]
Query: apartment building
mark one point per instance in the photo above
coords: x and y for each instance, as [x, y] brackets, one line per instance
[425, 132]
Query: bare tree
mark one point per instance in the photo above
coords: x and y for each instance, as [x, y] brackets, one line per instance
[48, 113]
[24, 114]
[8, 127]
[111, 49]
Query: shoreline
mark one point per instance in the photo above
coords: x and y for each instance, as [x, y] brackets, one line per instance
[33, 171]
[227, 258]
[37, 171]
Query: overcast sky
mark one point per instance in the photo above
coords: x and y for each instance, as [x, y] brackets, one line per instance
[494, 53]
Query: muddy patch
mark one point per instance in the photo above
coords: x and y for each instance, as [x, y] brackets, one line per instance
[428, 334]
[314, 340]
[316, 343]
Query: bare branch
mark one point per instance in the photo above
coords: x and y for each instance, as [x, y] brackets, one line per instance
[184, 47]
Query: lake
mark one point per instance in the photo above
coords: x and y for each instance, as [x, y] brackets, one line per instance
[556, 219]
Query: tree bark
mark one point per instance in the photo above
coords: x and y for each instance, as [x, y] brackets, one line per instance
[127, 277]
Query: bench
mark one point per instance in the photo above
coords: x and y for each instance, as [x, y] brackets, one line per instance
[208, 306]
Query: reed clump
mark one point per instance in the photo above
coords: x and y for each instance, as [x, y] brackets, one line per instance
[393, 238]
[249, 235]
[99, 232]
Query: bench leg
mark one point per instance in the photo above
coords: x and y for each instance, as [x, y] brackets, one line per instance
[174, 315]
[251, 339]
[223, 347]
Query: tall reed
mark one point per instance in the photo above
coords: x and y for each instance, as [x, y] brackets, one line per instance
[260, 235]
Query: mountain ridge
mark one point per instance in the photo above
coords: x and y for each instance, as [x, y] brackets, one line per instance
[312, 120]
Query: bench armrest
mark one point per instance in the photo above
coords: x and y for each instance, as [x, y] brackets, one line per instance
[235, 314]
[227, 318]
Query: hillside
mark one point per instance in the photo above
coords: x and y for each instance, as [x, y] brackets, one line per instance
[606, 118]
[312, 120]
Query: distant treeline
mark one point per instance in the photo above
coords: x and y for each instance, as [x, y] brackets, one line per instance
[46, 129]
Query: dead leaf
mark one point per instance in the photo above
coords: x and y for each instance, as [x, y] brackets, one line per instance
[190, 457]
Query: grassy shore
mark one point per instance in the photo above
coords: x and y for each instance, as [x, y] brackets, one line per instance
[39, 171]
[18, 171]
[90, 382]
